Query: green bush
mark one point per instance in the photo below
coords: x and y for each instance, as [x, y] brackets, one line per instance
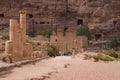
[115, 40]
[102, 57]
[5, 37]
[112, 53]
[113, 43]
[45, 33]
[52, 51]
[31, 42]
[96, 57]
[34, 44]
[107, 58]
[118, 55]
[84, 31]
[32, 34]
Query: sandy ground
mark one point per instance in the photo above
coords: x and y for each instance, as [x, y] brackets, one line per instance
[65, 68]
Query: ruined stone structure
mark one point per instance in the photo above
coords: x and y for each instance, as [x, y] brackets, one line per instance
[17, 45]
[67, 39]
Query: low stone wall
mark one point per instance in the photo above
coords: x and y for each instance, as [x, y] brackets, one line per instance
[20, 63]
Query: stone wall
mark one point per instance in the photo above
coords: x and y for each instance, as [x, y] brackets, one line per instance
[68, 40]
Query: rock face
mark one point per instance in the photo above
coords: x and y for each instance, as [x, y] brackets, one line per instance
[102, 16]
[17, 46]
[41, 13]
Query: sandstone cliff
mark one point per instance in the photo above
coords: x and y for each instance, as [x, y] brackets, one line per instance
[102, 16]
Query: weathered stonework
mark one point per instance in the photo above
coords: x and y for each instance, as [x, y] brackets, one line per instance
[68, 40]
[17, 45]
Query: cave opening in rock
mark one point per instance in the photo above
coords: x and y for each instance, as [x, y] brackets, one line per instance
[65, 29]
[55, 40]
[42, 22]
[30, 15]
[80, 21]
[98, 36]
[1, 15]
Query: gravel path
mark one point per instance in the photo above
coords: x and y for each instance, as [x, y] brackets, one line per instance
[66, 68]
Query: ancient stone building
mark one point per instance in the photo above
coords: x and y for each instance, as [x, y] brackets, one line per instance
[17, 45]
[66, 40]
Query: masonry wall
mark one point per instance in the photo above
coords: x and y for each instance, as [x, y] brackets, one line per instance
[70, 40]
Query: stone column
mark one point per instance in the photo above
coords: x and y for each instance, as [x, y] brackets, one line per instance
[13, 29]
[23, 24]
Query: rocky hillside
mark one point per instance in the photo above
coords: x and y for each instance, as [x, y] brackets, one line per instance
[102, 16]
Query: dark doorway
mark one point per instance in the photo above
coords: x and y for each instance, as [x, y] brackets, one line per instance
[55, 40]
[48, 23]
[65, 29]
[42, 22]
[36, 22]
[80, 21]
[1, 15]
[98, 36]
[30, 16]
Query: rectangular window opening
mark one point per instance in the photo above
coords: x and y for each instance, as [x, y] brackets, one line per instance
[80, 21]
[42, 22]
[1, 15]
[30, 16]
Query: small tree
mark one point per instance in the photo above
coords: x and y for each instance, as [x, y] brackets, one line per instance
[52, 51]
[45, 33]
[5, 37]
[113, 43]
[32, 34]
[34, 44]
[112, 53]
[115, 40]
[84, 31]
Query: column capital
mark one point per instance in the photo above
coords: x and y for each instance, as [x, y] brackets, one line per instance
[23, 12]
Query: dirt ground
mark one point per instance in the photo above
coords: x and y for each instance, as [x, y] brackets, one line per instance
[65, 68]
